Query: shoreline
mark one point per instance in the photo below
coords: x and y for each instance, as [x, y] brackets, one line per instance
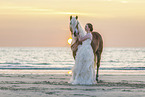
[101, 72]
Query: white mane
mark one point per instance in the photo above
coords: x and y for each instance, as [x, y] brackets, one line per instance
[81, 30]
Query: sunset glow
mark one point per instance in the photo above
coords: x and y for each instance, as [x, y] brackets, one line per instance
[46, 22]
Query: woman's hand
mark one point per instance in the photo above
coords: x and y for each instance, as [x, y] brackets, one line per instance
[78, 37]
[74, 47]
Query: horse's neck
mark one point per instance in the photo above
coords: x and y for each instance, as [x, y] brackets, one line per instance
[82, 32]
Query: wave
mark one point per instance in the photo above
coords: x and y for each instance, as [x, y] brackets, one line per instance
[124, 68]
[27, 68]
[112, 61]
[26, 63]
[10, 63]
[34, 68]
[51, 63]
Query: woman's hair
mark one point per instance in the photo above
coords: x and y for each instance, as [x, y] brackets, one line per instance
[90, 26]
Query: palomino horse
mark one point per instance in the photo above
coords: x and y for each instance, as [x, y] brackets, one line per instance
[97, 41]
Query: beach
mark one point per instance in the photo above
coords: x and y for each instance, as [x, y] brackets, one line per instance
[54, 83]
[45, 72]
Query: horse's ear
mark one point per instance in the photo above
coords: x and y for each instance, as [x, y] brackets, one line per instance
[70, 17]
[76, 17]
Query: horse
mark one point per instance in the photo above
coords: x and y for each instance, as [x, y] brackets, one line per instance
[97, 42]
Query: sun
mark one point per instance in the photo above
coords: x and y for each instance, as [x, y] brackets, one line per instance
[70, 72]
[69, 40]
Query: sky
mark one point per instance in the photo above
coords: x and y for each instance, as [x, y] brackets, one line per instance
[45, 23]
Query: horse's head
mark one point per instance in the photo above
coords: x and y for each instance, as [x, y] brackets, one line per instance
[74, 25]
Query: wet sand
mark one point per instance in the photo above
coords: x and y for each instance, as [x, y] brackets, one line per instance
[48, 83]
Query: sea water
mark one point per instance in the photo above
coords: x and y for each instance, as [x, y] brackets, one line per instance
[60, 58]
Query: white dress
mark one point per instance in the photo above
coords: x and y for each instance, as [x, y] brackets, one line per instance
[83, 71]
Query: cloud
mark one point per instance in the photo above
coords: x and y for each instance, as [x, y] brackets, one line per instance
[124, 1]
[108, 0]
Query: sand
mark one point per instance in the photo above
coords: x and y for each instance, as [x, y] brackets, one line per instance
[48, 83]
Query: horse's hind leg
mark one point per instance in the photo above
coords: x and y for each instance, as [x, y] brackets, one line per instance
[95, 61]
[98, 53]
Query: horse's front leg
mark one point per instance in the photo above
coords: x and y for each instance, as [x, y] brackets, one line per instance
[74, 49]
[74, 54]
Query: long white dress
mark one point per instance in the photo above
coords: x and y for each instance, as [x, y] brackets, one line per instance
[83, 71]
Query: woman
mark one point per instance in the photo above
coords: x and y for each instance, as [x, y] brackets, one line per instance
[83, 71]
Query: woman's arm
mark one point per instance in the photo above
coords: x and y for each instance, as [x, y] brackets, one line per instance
[87, 36]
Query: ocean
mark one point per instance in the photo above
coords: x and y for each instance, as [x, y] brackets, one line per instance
[60, 58]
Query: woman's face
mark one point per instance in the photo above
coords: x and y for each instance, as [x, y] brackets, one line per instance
[87, 28]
